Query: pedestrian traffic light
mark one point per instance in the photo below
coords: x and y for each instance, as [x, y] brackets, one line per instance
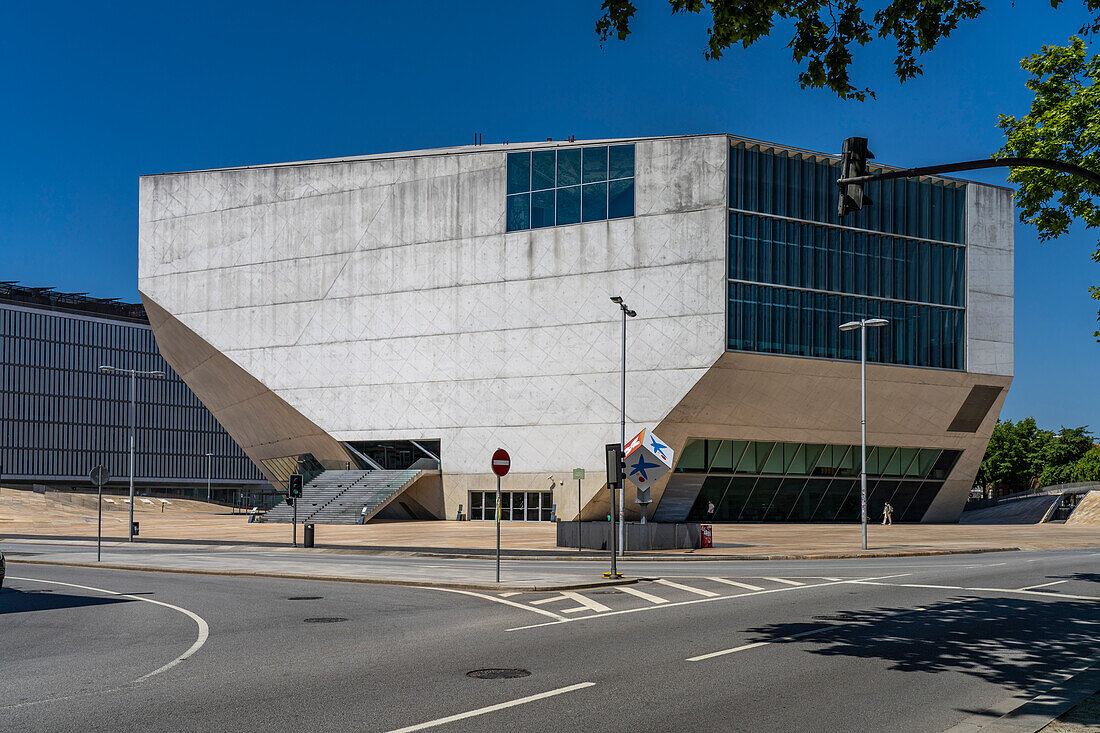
[295, 485]
[853, 163]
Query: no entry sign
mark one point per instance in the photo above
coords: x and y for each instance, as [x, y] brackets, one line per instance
[501, 462]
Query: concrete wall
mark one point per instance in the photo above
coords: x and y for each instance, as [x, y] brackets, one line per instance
[381, 298]
[989, 280]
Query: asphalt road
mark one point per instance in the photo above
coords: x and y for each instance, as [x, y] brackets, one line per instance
[908, 644]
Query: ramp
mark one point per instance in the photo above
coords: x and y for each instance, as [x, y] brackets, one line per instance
[1027, 510]
[339, 497]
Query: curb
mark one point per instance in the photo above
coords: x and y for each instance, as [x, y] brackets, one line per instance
[531, 587]
[1044, 709]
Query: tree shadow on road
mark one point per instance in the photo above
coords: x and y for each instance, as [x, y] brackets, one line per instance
[1012, 642]
[21, 601]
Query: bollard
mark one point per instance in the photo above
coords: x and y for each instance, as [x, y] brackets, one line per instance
[307, 535]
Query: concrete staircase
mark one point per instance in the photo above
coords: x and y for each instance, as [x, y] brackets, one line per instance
[338, 497]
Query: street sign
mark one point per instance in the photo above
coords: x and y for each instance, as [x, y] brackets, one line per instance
[99, 475]
[501, 462]
[648, 458]
[578, 474]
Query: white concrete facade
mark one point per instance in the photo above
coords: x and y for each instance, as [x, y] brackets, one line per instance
[382, 299]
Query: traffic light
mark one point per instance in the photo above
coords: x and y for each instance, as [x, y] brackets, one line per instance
[615, 467]
[295, 485]
[853, 163]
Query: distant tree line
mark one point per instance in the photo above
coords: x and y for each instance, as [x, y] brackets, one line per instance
[1023, 456]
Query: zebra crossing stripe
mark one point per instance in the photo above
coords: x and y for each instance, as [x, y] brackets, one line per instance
[688, 588]
[783, 580]
[586, 602]
[746, 586]
[642, 594]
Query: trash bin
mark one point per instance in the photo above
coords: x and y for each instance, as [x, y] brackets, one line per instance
[307, 536]
[705, 536]
[135, 528]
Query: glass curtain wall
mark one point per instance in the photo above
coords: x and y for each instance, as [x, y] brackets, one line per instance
[796, 271]
[764, 481]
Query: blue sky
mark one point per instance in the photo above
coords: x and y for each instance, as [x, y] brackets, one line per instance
[97, 94]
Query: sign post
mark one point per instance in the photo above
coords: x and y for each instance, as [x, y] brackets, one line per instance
[578, 474]
[99, 477]
[501, 463]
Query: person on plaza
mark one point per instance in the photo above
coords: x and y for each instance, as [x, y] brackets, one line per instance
[710, 509]
[363, 516]
[887, 514]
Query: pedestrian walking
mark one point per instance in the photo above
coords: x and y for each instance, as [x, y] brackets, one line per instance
[363, 516]
[710, 510]
[887, 514]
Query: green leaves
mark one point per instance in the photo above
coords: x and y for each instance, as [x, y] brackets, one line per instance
[825, 31]
[1022, 456]
[1063, 124]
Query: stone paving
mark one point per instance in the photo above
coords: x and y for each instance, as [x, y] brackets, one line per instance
[23, 513]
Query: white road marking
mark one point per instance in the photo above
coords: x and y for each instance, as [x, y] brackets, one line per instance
[693, 602]
[688, 588]
[510, 593]
[494, 599]
[984, 590]
[783, 580]
[1043, 585]
[204, 628]
[586, 602]
[575, 609]
[746, 586]
[551, 599]
[492, 708]
[830, 578]
[642, 594]
[743, 647]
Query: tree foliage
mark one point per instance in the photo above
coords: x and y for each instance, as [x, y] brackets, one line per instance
[1023, 456]
[825, 32]
[1063, 124]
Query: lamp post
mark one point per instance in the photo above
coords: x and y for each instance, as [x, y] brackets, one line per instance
[133, 425]
[209, 457]
[863, 324]
[618, 300]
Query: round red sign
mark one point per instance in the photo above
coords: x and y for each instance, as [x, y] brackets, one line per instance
[501, 462]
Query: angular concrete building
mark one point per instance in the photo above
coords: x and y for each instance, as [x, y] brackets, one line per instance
[421, 309]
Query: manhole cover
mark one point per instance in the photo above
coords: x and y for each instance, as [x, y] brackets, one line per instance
[305, 598]
[324, 620]
[497, 674]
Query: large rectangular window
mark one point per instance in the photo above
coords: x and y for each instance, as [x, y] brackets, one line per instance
[753, 481]
[568, 186]
[796, 271]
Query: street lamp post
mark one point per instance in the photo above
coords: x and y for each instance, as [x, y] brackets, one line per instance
[863, 324]
[133, 425]
[618, 300]
[209, 457]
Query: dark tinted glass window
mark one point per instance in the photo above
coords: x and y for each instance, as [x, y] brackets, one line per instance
[594, 202]
[542, 209]
[519, 172]
[569, 205]
[569, 167]
[594, 161]
[620, 201]
[519, 212]
[543, 165]
[621, 161]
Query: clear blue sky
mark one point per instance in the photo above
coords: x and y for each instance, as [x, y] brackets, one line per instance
[97, 94]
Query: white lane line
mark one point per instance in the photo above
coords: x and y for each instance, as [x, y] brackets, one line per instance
[688, 588]
[830, 578]
[494, 599]
[727, 581]
[575, 609]
[509, 594]
[204, 628]
[743, 647]
[870, 581]
[586, 602]
[697, 600]
[1043, 585]
[642, 594]
[784, 580]
[492, 708]
[551, 599]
